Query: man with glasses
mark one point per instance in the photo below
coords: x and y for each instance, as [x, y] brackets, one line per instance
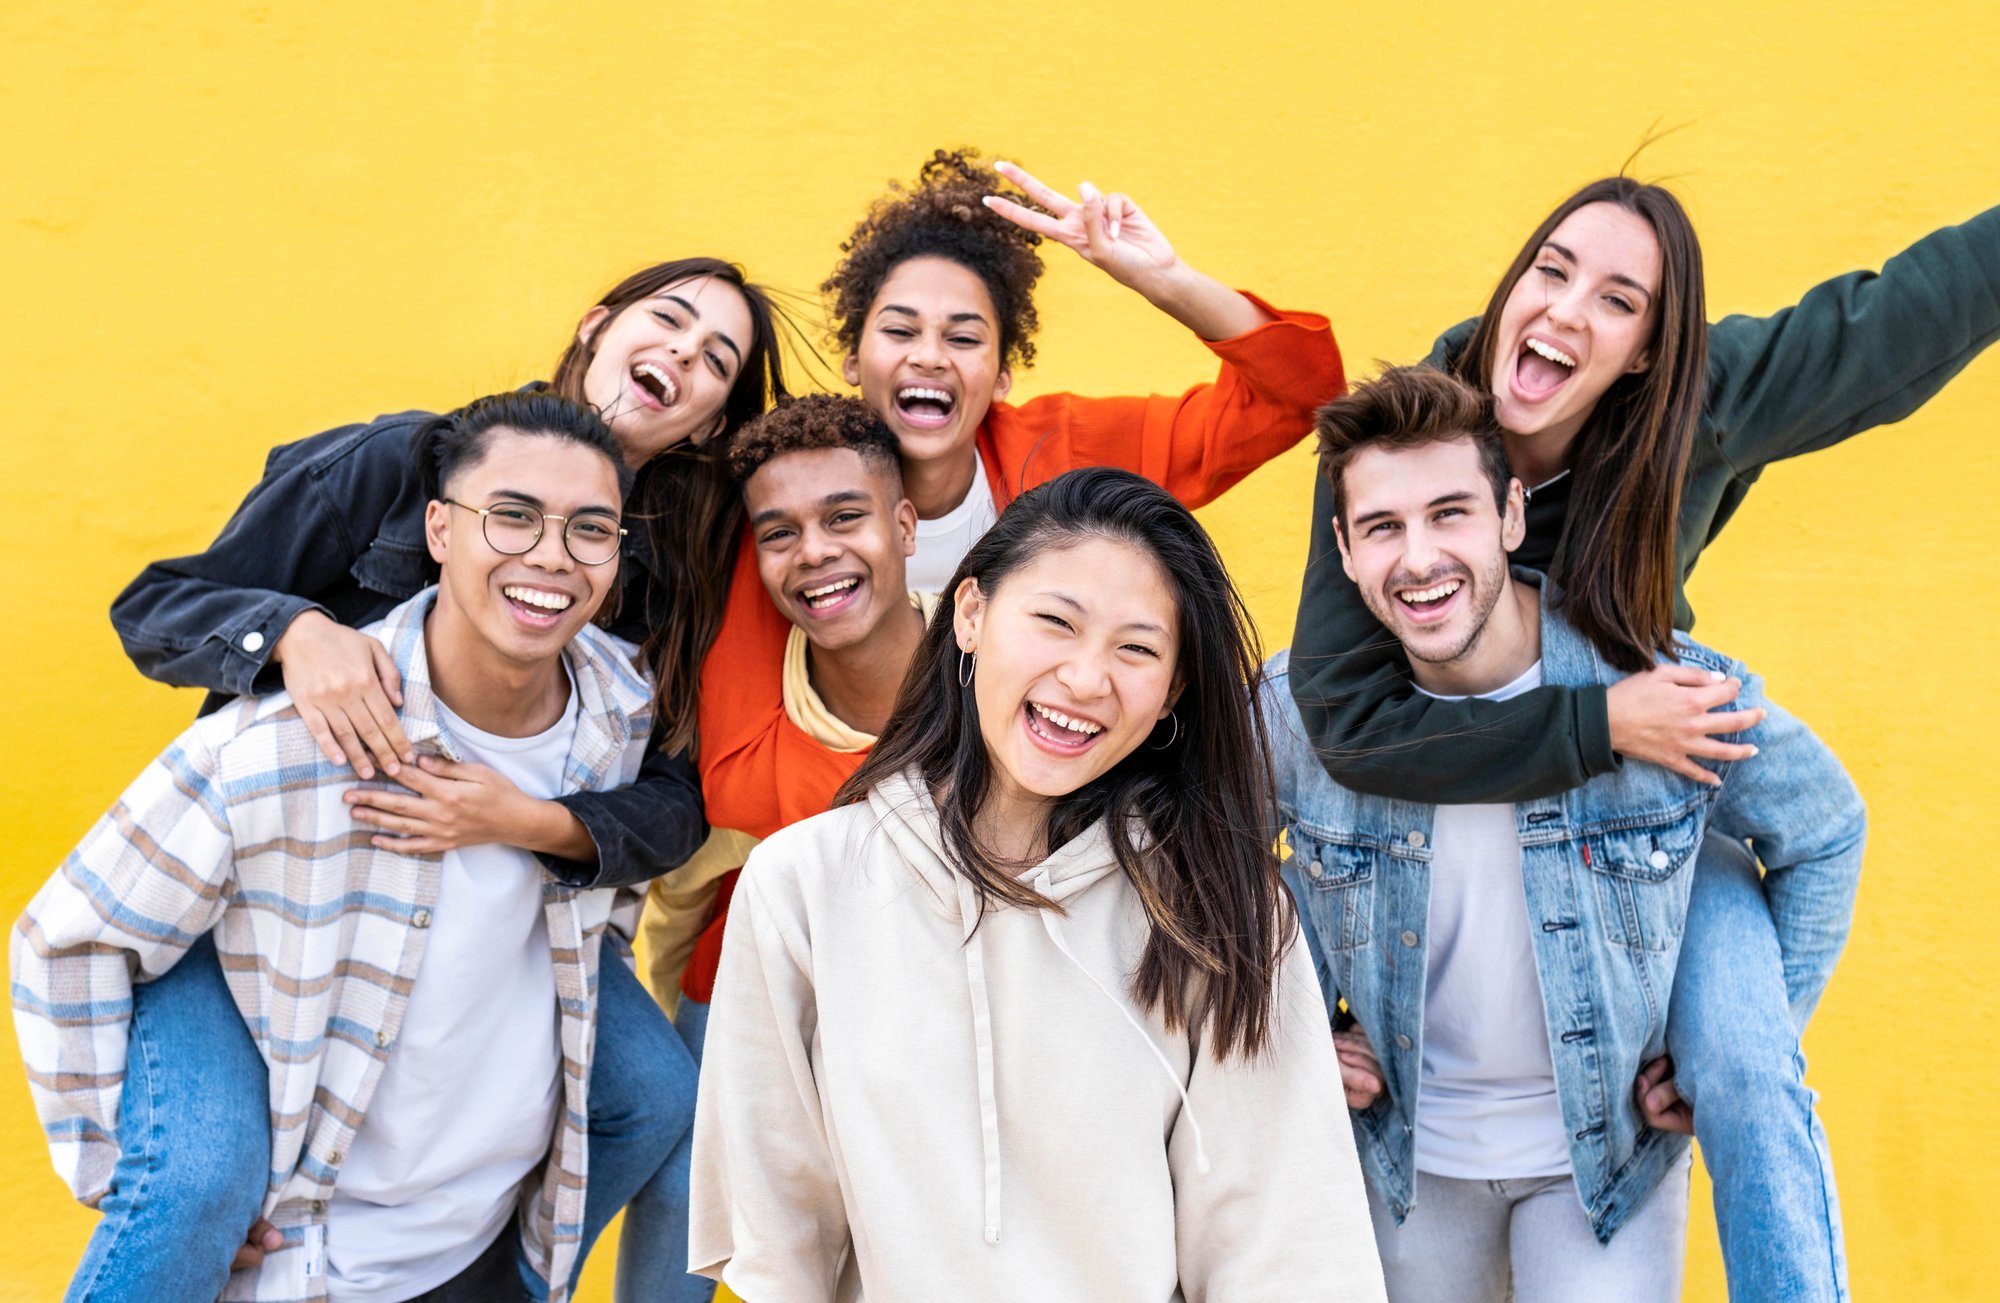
[424, 1019]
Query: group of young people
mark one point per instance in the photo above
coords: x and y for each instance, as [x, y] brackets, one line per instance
[1022, 936]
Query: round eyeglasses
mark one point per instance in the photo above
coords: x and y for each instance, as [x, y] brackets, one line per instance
[513, 528]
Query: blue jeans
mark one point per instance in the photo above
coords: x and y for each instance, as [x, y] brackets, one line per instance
[1734, 1036]
[653, 1246]
[194, 1137]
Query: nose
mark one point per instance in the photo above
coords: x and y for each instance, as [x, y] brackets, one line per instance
[550, 552]
[1566, 307]
[927, 350]
[1086, 673]
[1420, 550]
[818, 547]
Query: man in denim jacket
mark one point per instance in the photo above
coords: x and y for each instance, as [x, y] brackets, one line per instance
[1512, 965]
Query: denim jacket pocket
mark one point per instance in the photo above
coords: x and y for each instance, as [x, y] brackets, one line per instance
[1338, 878]
[393, 568]
[1643, 868]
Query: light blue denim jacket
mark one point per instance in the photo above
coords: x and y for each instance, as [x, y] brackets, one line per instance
[1607, 868]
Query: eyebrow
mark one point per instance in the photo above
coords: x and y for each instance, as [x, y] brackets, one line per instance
[770, 514]
[530, 500]
[1144, 626]
[689, 308]
[1445, 500]
[1619, 277]
[912, 312]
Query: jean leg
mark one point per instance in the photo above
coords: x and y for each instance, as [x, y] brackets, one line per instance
[1737, 1061]
[1452, 1248]
[692, 1023]
[1557, 1257]
[194, 1139]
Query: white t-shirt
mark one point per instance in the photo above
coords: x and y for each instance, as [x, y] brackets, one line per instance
[1488, 1108]
[467, 1105]
[943, 543]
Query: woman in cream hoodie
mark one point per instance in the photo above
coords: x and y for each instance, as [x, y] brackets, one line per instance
[1024, 1017]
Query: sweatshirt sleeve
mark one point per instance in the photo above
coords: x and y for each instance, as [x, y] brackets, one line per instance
[211, 620]
[1196, 444]
[1796, 806]
[1861, 350]
[1375, 733]
[142, 886]
[767, 1217]
[1279, 1210]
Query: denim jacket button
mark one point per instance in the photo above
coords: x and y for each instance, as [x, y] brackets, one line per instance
[1658, 859]
[253, 641]
[1416, 838]
[1410, 939]
[1403, 1041]
[1313, 869]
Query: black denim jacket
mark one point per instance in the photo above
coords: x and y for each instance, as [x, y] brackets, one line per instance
[337, 525]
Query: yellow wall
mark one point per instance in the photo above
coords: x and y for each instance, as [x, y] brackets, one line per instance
[233, 223]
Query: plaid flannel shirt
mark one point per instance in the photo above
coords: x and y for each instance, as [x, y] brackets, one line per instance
[239, 828]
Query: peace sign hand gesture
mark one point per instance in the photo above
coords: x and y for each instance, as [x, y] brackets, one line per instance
[1107, 231]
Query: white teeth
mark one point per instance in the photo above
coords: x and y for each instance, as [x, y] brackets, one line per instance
[912, 392]
[536, 597]
[1057, 717]
[1551, 352]
[826, 594]
[1436, 594]
[669, 389]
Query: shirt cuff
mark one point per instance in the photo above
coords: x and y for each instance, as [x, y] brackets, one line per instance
[1593, 730]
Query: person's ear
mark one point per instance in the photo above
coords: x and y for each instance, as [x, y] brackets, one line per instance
[437, 528]
[1643, 362]
[1346, 557]
[1002, 383]
[850, 370]
[968, 613]
[593, 320]
[1514, 520]
[906, 526]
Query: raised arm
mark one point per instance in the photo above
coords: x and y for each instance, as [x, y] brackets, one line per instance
[767, 1215]
[143, 886]
[1860, 350]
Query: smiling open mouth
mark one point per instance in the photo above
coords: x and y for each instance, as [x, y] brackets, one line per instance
[1541, 368]
[925, 405]
[1425, 600]
[1061, 730]
[827, 596]
[537, 607]
[657, 381]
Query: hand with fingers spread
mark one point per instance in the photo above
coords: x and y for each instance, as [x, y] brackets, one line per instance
[347, 691]
[1660, 1104]
[1360, 1070]
[448, 804]
[1114, 234]
[1667, 716]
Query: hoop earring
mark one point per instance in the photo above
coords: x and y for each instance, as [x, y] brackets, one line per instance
[1172, 738]
[967, 663]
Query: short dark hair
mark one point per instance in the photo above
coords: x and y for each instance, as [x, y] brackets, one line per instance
[942, 216]
[448, 444]
[812, 423]
[1409, 407]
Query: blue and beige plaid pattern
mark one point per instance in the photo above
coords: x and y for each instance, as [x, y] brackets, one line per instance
[239, 828]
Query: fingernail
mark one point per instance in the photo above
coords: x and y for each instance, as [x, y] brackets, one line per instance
[1087, 190]
[1001, 162]
[1114, 228]
[1717, 675]
[1753, 749]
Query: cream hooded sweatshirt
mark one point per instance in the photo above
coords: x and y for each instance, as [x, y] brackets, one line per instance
[896, 1106]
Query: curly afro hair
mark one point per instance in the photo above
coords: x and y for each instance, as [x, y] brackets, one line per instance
[942, 217]
[809, 424]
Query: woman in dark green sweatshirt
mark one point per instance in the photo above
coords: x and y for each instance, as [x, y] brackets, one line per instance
[1638, 431]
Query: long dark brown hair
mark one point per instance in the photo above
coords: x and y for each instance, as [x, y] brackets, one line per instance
[1189, 813]
[1616, 562]
[689, 506]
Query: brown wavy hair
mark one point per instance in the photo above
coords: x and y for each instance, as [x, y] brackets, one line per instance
[1617, 563]
[941, 216]
[690, 508]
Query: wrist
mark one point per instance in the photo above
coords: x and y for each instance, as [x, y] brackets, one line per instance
[303, 625]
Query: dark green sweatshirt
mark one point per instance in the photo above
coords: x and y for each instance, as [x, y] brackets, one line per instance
[1858, 351]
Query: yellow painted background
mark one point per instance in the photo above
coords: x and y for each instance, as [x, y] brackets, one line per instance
[230, 224]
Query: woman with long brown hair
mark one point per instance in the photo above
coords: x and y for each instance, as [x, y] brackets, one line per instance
[1638, 429]
[1024, 1016]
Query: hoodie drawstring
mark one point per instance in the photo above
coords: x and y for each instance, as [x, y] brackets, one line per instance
[1052, 924]
[982, 1039]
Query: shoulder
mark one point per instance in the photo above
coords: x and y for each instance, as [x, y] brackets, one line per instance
[620, 667]
[351, 449]
[794, 851]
